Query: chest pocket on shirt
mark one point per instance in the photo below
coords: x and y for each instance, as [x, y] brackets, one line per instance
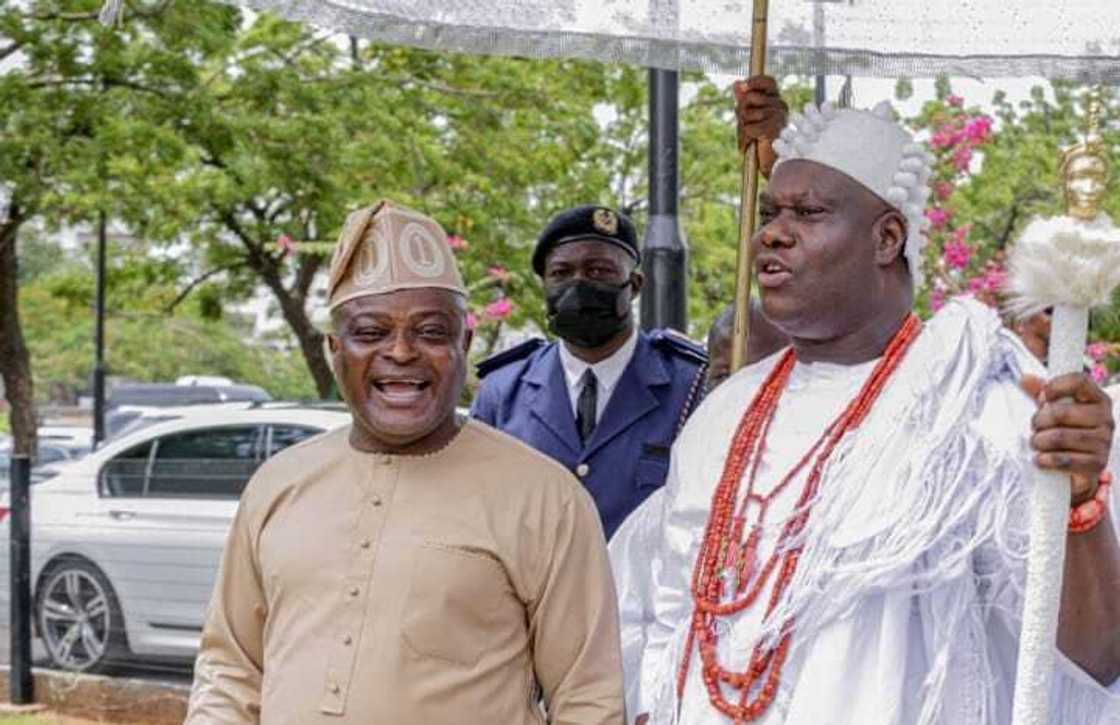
[653, 466]
[457, 603]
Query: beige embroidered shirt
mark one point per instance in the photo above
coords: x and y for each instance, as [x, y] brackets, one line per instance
[468, 586]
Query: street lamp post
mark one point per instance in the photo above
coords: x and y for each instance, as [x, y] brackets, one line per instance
[99, 339]
[664, 301]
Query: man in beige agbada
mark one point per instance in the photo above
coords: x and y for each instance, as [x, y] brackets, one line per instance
[413, 568]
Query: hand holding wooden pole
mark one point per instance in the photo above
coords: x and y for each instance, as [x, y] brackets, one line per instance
[748, 204]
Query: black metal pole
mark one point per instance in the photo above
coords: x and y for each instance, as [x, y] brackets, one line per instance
[19, 534]
[99, 340]
[664, 250]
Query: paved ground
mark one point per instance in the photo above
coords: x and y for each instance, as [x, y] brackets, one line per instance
[157, 672]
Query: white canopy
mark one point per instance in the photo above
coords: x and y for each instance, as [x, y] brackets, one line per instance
[1072, 39]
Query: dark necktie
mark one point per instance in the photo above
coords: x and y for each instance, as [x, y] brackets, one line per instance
[586, 406]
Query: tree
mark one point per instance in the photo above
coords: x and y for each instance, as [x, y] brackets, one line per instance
[67, 94]
[149, 342]
[47, 145]
[280, 131]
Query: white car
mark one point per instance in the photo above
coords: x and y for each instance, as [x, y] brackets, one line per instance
[125, 543]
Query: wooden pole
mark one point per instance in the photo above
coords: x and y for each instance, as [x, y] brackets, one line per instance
[748, 204]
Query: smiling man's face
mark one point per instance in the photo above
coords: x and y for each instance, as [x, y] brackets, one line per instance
[400, 362]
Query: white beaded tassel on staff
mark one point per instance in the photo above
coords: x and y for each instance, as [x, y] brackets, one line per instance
[1070, 263]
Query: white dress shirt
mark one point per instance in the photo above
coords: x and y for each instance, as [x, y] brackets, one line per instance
[607, 373]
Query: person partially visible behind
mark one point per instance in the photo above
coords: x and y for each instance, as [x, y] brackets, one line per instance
[1034, 331]
[413, 567]
[764, 340]
[605, 399]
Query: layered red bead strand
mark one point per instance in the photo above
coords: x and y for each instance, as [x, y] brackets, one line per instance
[723, 547]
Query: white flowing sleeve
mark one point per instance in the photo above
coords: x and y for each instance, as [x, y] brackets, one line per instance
[633, 562]
[683, 516]
[1076, 699]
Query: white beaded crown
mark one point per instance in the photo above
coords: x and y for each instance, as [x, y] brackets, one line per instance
[872, 148]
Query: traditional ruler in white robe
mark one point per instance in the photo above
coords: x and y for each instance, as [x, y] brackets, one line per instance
[909, 589]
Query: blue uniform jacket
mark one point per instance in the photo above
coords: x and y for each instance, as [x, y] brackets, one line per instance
[524, 393]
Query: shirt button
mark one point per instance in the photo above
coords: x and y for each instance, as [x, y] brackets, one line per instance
[353, 592]
[347, 640]
[376, 501]
[366, 543]
[334, 688]
[384, 459]
[582, 470]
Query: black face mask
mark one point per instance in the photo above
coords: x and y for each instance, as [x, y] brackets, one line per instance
[588, 314]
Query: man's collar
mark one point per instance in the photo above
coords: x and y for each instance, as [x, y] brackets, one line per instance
[607, 371]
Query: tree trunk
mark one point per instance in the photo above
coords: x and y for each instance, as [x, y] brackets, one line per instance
[293, 308]
[15, 362]
[292, 301]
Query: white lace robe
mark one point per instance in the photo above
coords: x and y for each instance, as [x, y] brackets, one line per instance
[909, 590]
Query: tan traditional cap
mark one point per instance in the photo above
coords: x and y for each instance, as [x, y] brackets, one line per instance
[385, 248]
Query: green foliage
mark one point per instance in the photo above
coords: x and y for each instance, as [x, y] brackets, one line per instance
[143, 342]
[195, 126]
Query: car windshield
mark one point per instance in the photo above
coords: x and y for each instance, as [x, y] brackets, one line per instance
[127, 425]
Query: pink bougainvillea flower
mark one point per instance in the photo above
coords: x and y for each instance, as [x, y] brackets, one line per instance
[994, 278]
[1100, 373]
[458, 243]
[957, 254]
[943, 137]
[943, 189]
[938, 217]
[500, 309]
[499, 273]
[472, 320]
[937, 299]
[978, 129]
[286, 244]
[1098, 350]
[955, 101]
[962, 158]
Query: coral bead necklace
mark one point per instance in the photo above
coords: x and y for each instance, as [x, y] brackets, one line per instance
[727, 578]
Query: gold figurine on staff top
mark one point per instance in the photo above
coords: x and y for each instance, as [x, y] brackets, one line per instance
[1085, 169]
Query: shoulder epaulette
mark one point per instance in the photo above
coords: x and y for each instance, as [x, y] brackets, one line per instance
[679, 344]
[505, 357]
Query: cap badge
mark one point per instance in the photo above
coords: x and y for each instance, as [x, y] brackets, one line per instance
[605, 221]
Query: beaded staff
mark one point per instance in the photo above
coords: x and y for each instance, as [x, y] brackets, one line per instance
[1070, 263]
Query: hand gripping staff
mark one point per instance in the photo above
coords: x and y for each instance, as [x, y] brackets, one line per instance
[1070, 263]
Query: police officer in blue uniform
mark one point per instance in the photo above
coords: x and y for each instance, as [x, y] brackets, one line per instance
[606, 400]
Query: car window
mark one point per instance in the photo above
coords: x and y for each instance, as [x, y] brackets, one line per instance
[125, 473]
[283, 436]
[50, 454]
[208, 463]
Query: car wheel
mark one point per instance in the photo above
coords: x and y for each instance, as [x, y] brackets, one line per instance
[80, 618]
